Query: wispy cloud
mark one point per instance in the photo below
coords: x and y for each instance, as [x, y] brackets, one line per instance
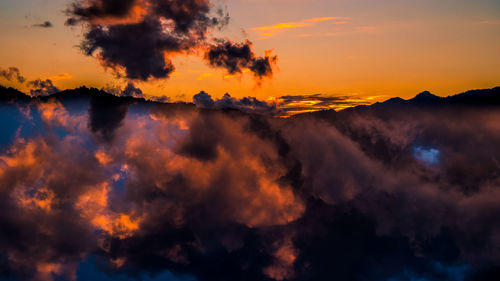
[205, 75]
[362, 29]
[236, 75]
[489, 22]
[325, 19]
[62, 76]
[46, 24]
[273, 30]
[308, 103]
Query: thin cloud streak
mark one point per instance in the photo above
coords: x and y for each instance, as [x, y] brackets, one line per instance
[62, 76]
[46, 24]
[273, 30]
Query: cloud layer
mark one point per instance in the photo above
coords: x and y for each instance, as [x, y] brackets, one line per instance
[387, 192]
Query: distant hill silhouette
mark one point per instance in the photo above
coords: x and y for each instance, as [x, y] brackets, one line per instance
[81, 94]
[11, 94]
[474, 98]
[486, 97]
[482, 98]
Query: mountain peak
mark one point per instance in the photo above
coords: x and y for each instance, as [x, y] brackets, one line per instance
[425, 95]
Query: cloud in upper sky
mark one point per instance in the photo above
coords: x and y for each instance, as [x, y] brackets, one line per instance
[45, 24]
[62, 76]
[236, 57]
[138, 39]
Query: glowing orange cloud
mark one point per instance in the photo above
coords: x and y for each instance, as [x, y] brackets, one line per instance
[46, 270]
[283, 26]
[41, 199]
[136, 15]
[284, 258]
[54, 113]
[23, 156]
[267, 31]
[255, 196]
[326, 19]
[236, 75]
[62, 76]
[205, 75]
[93, 206]
[103, 158]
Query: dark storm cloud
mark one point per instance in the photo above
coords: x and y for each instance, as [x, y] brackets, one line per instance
[101, 8]
[140, 37]
[137, 39]
[12, 73]
[138, 47]
[247, 104]
[203, 100]
[71, 22]
[224, 195]
[42, 87]
[235, 57]
[46, 24]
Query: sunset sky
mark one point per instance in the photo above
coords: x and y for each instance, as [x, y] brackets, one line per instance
[250, 140]
[377, 49]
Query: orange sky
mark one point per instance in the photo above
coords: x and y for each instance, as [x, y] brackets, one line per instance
[340, 47]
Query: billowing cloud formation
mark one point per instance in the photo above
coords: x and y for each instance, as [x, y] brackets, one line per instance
[138, 47]
[235, 57]
[137, 39]
[146, 188]
[101, 9]
[12, 73]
